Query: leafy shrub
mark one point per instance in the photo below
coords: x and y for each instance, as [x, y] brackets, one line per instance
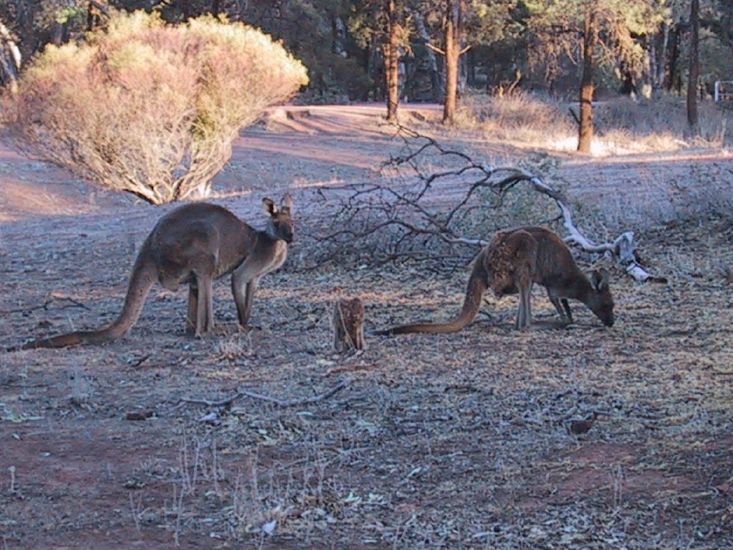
[150, 108]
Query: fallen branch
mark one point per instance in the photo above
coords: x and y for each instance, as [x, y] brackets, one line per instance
[398, 215]
[279, 402]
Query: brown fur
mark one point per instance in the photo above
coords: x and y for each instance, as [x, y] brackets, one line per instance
[511, 263]
[195, 244]
[348, 324]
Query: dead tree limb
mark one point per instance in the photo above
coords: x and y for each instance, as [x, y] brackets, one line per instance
[402, 213]
[279, 402]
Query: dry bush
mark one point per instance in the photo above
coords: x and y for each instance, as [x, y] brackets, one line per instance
[149, 108]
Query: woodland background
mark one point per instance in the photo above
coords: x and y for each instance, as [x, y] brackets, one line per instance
[529, 44]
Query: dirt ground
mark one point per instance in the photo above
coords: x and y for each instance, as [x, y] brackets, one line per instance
[431, 441]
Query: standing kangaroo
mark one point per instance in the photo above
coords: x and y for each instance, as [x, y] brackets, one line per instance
[195, 244]
[511, 263]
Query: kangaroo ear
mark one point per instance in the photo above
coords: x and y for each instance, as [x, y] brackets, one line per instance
[287, 202]
[270, 206]
[599, 279]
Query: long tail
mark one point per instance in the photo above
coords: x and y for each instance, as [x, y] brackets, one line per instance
[477, 285]
[142, 279]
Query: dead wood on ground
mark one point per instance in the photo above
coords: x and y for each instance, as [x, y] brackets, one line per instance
[400, 217]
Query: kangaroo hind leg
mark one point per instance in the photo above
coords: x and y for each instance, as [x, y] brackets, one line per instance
[524, 313]
[193, 307]
[203, 274]
[205, 303]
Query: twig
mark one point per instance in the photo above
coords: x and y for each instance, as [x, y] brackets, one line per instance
[140, 361]
[279, 402]
[349, 368]
[46, 304]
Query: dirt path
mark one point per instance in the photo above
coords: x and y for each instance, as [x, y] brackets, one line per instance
[446, 441]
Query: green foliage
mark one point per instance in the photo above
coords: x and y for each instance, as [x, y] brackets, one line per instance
[70, 15]
[558, 25]
[151, 108]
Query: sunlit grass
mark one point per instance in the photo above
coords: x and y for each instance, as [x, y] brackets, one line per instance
[622, 126]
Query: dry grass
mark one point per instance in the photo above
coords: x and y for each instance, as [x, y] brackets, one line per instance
[623, 126]
[517, 118]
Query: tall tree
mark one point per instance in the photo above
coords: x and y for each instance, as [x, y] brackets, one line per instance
[452, 37]
[605, 31]
[453, 19]
[694, 69]
[392, 61]
[585, 127]
[9, 59]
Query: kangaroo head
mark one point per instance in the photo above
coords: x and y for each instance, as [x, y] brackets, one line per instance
[600, 300]
[280, 225]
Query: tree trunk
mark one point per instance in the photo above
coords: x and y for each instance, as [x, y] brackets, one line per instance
[452, 55]
[662, 58]
[671, 79]
[57, 34]
[392, 62]
[585, 128]
[338, 41]
[694, 71]
[375, 69]
[436, 83]
[96, 11]
[9, 59]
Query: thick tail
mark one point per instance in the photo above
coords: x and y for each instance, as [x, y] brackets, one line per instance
[477, 285]
[142, 279]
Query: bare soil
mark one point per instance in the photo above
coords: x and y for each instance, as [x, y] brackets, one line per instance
[452, 440]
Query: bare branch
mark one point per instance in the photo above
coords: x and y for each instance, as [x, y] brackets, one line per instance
[435, 49]
[402, 214]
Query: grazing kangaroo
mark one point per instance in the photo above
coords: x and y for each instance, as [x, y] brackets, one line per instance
[511, 263]
[195, 244]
